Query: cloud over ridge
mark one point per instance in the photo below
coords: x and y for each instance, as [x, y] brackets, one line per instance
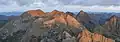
[8, 5]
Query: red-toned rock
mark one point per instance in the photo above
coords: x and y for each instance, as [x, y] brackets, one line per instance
[36, 12]
[64, 18]
[70, 13]
[56, 18]
[113, 19]
[72, 21]
[56, 12]
[86, 36]
[100, 38]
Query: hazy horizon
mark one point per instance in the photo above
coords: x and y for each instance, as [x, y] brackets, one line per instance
[62, 5]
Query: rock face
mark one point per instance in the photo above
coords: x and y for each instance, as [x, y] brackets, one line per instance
[55, 26]
[112, 27]
[86, 36]
[56, 12]
[64, 18]
[71, 14]
[35, 12]
[113, 20]
[34, 24]
[84, 18]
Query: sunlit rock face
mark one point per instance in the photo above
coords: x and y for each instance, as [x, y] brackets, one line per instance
[86, 36]
[113, 20]
[56, 12]
[64, 18]
[71, 14]
[72, 21]
[35, 12]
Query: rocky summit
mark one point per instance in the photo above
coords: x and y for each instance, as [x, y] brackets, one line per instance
[58, 26]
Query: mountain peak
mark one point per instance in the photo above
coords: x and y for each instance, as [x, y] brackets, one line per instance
[64, 18]
[72, 21]
[70, 13]
[83, 16]
[35, 12]
[87, 36]
[56, 12]
[81, 12]
[113, 19]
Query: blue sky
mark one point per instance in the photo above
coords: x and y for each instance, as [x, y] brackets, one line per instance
[62, 5]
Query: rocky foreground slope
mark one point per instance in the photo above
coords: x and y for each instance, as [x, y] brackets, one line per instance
[57, 26]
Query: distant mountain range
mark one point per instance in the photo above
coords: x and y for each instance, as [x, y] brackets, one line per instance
[11, 13]
[4, 19]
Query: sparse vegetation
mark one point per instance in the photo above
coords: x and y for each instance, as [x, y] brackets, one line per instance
[3, 22]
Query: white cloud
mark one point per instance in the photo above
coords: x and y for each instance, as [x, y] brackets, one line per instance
[94, 8]
[63, 5]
